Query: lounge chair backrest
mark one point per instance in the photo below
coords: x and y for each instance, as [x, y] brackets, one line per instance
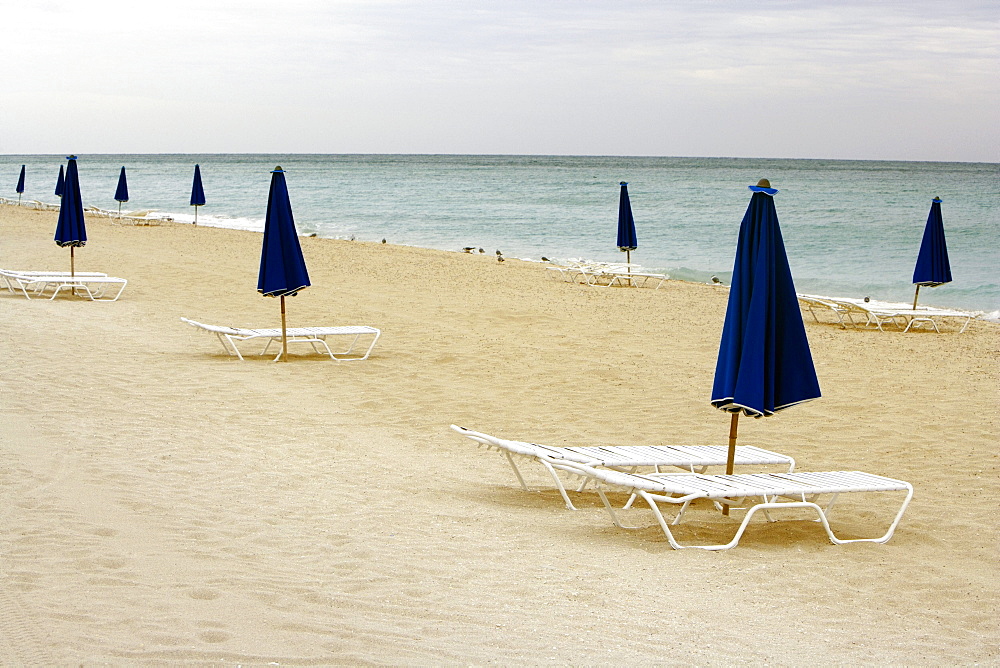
[218, 329]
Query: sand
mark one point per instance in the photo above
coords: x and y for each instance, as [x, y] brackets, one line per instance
[161, 502]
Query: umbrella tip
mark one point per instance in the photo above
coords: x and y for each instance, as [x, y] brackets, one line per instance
[71, 157]
[764, 186]
[277, 169]
[936, 199]
[623, 183]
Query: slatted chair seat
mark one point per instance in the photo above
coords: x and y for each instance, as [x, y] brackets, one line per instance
[694, 458]
[774, 491]
[314, 336]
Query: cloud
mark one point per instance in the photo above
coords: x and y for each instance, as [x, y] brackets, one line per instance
[838, 79]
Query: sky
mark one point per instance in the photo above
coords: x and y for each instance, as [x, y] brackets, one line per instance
[878, 80]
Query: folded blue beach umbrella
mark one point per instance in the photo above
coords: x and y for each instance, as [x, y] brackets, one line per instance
[71, 229]
[282, 267]
[60, 183]
[121, 194]
[764, 363]
[933, 268]
[626, 224]
[20, 186]
[197, 193]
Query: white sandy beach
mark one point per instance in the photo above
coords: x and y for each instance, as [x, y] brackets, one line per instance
[161, 502]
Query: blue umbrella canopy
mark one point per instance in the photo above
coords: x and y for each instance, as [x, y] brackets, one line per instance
[60, 183]
[71, 230]
[626, 223]
[282, 267]
[20, 182]
[933, 267]
[121, 194]
[197, 192]
[764, 362]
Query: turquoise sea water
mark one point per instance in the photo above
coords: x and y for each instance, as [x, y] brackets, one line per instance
[851, 228]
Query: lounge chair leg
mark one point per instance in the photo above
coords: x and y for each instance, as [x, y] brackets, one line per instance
[517, 472]
[680, 513]
[562, 490]
[224, 338]
[611, 510]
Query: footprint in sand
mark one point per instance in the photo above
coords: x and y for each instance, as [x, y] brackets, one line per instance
[214, 636]
[204, 594]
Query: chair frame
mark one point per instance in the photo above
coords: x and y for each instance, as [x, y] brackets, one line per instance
[94, 284]
[776, 491]
[314, 336]
[626, 458]
[880, 313]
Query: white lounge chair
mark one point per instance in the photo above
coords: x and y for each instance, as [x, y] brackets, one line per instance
[94, 285]
[775, 491]
[636, 278]
[694, 458]
[814, 303]
[8, 276]
[905, 317]
[314, 336]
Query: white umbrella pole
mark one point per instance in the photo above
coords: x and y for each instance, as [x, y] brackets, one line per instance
[284, 338]
[72, 268]
[731, 456]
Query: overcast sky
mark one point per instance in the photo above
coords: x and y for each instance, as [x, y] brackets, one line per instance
[868, 80]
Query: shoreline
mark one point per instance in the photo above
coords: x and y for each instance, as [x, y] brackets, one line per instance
[153, 217]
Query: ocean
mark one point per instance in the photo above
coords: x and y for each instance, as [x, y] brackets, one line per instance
[851, 228]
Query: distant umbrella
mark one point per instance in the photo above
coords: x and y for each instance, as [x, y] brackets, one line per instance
[60, 183]
[627, 241]
[121, 195]
[197, 193]
[764, 362]
[282, 267]
[20, 186]
[71, 229]
[933, 268]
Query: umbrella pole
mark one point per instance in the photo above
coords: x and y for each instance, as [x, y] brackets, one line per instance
[284, 338]
[915, 295]
[119, 210]
[196, 219]
[731, 456]
[72, 268]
